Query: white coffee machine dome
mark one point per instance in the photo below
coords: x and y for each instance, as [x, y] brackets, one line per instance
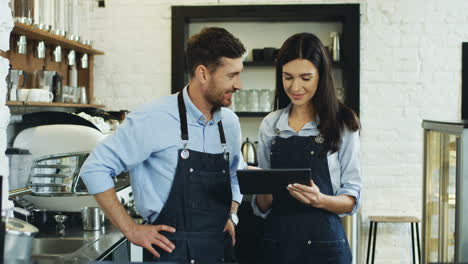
[49, 140]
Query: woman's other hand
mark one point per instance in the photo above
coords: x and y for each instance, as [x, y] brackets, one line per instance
[309, 195]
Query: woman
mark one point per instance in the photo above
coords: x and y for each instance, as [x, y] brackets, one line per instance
[310, 129]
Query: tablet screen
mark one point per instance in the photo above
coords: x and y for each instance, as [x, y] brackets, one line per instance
[271, 180]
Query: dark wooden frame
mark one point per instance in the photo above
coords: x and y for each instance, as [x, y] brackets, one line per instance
[464, 102]
[347, 14]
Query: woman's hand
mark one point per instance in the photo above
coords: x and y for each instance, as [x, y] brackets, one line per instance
[309, 195]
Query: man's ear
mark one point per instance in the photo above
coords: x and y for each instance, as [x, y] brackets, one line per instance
[202, 73]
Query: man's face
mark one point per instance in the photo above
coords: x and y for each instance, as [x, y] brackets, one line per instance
[224, 81]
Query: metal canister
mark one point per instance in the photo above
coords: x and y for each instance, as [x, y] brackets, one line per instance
[91, 217]
[18, 241]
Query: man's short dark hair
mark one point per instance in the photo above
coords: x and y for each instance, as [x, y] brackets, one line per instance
[207, 47]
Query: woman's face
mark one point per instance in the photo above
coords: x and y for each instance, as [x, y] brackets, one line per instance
[300, 80]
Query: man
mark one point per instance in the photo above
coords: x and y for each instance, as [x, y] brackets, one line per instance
[182, 152]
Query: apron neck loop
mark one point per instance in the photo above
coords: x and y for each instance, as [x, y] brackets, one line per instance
[183, 117]
[184, 128]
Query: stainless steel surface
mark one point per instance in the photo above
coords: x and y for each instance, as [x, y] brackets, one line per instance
[336, 47]
[50, 190]
[40, 50]
[14, 77]
[57, 173]
[22, 45]
[45, 80]
[351, 224]
[76, 247]
[50, 179]
[83, 96]
[91, 217]
[20, 161]
[84, 61]
[57, 246]
[249, 152]
[57, 54]
[71, 58]
[18, 240]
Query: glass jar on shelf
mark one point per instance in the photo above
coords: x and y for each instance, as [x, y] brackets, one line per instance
[253, 100]
[266, 100]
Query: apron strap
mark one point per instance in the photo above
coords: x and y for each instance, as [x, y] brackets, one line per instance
[221, 132]
[183, 121]
[183, 117]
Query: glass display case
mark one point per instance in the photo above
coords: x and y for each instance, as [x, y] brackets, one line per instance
[445, 192]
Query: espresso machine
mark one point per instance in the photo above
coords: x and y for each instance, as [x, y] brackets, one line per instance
[46, 80]
[14, 82]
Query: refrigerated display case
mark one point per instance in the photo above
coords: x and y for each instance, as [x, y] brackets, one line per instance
[445, 192]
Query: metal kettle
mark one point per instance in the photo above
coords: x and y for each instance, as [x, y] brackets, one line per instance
[249, 152]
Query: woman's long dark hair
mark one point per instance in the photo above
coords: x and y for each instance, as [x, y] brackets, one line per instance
[333, 114]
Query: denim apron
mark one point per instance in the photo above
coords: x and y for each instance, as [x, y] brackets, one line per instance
[198, 205]
[295, 232]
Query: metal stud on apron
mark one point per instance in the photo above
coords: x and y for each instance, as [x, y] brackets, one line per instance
[199, 203]
[295, 232]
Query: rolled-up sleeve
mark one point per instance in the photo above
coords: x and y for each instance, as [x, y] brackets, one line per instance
[119, 152]
[350, 165]
[237, 162]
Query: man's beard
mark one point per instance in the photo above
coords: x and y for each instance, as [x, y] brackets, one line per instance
[216, 99]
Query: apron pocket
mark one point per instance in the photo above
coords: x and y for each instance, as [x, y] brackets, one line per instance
[178, 254]
[328, 248]
[207, 250]
[209, 190]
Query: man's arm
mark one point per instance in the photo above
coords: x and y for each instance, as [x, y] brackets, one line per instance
[230, 227]
[141, 235]
[234, 206]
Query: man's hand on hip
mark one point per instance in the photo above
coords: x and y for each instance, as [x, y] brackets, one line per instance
[148, 235]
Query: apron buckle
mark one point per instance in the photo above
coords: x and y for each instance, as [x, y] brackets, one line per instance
[185, 153]
[226, 154]
[319, 139]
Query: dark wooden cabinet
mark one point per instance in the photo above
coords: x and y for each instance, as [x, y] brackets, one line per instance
[346, 14]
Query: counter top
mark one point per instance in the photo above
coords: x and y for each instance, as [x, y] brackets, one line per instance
[92, 245]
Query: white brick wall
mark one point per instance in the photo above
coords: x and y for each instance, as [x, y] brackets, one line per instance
[6, 24]
[410, 70]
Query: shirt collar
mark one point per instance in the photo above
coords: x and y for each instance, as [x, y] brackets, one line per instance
[194, 114]
[283, 124]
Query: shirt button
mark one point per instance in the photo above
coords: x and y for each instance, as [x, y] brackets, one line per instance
[312, 152]
[224, 171]
[191, 170]
[192, 261]
[309, 242]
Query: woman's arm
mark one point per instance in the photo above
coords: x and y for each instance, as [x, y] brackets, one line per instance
[311, 195]
[261, 203]
[347, 195]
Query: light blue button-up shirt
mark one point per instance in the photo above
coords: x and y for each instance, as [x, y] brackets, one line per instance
[147, 145]
[344, 165]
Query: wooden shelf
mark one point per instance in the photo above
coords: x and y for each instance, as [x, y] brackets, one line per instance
[252, 114]
[33, 33]
[259, 63]
[23, 103]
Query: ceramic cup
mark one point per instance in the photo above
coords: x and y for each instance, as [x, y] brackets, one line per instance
[23, 94]
[40, 95]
